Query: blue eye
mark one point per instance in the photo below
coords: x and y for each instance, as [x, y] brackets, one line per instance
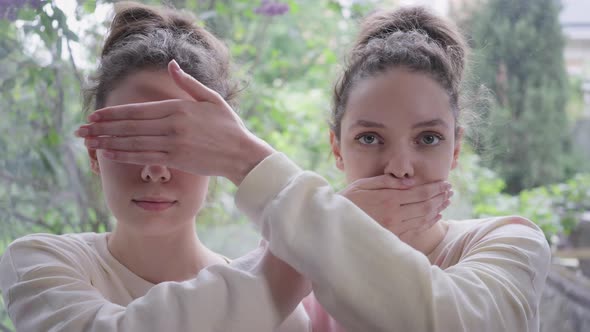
[368, 139]
[430, 139]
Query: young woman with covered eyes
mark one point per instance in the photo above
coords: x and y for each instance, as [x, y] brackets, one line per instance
[151, 273]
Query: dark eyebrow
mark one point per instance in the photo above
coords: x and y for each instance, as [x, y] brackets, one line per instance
[431, 123]
[367, 124]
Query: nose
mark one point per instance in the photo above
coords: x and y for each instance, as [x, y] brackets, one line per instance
[400, 166]
[155, 173]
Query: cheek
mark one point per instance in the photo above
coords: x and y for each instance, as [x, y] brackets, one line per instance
[431, 173]
[194, 188]
[435, 166]
[116, 175]
[117, 183]
[361, 164]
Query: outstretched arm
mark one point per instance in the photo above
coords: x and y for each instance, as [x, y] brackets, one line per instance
[369, 280]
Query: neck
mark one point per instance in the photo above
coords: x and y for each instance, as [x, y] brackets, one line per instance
[175, 256]
[428, 240]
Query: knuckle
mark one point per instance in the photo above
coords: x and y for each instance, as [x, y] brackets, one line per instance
[185, 109]
[177, 130]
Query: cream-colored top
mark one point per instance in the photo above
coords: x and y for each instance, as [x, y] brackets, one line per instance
[486, 275]
[73, 283]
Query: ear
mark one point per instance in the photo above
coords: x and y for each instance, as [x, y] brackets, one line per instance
[336, 150]
[93, 161]
[457, 149]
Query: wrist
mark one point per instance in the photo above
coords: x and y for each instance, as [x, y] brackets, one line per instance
[251, 152]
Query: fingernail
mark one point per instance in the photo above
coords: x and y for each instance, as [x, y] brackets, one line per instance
[108, 154]
[82, 132]
[175, 66]
[451, 193]
[93, 117]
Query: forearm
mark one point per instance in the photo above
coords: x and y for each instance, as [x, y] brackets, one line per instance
[340, 249]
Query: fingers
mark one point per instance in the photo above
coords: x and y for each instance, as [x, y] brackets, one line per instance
[138, 111]
[427, 214]
[199, 91]
[418, 225]
[124, 128]
[424, 192]
[138, 158]
[130, 144]
[421, 209]
[193, 87]
[407, 193]
[384, 181]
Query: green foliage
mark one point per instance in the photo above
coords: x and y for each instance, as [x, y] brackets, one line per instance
[555, 208]
[44, 186]
[519, 56]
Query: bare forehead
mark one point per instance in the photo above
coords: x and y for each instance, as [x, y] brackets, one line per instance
[398, 94]
[144, 86]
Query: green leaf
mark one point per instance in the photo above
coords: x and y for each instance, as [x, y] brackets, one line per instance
[53, 138]
[89, 6]
[293, 7]
[335, 6]
[27, 14]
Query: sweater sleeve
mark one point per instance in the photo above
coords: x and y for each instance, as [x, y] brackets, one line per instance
[46, 288]
[369, 280]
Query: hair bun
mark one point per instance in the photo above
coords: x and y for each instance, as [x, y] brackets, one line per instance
[136, 18]
[382, 24]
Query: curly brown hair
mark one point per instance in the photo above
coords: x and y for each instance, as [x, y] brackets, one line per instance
[409, 37]
[143, 37]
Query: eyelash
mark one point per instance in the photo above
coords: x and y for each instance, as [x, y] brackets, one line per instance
[377, 137]
[422, 135]
[418, 139]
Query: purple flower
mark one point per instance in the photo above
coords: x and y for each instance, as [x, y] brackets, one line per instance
[9, 8]
[272, 8]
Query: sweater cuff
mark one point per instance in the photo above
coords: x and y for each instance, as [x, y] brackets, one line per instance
[263, 184]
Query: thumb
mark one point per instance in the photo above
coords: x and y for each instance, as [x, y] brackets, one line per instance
[193, 87]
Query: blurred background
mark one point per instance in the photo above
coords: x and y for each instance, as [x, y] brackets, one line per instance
[527, 153]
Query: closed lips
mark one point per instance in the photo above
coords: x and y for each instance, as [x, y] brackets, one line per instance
[154, 204]
[154, 200]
